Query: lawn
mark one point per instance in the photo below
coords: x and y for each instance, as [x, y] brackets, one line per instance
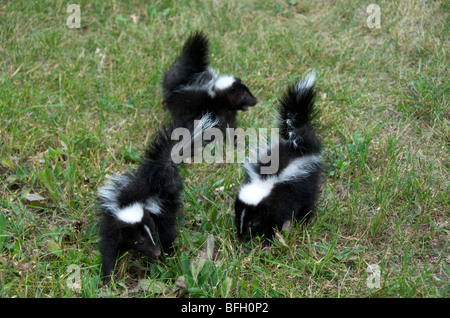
[79, 104]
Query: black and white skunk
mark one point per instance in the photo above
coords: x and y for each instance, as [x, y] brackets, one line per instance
[266, 201]
[139, 209]
[190, 88]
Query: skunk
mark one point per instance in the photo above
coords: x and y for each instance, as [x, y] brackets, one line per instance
[265, 201]
[139, 209]
[189, 87]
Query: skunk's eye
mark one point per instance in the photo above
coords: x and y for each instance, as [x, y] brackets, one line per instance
[138, 243]
[253, 226]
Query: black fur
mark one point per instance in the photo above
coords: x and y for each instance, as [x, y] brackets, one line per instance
[118, 237]
[188, 87]
[293, 198]
[157, 179]
[194, 59]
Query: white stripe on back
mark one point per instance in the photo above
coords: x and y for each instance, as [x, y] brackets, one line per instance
[153, 205]
[210, 81]
[257, 189]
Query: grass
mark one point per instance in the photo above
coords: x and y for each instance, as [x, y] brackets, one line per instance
[78, 105]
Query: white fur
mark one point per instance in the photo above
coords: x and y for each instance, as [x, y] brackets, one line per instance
[210, 81]
[299, 167]
[204, 81]
[131, 214]
[251, 171]
[108, 193]
[224, 82]
[257, 189]
[205, 123]
[305, 83]
[149, 234]
[187, 140]
[153, 205]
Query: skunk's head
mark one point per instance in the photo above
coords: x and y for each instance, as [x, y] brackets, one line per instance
[233, 93]
[252, 220]
[138, 230]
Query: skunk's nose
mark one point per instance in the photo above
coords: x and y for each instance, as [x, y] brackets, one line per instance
[253, 101]
[248, 101]
[153, 252]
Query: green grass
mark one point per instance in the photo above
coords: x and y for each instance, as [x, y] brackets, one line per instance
[78, 105]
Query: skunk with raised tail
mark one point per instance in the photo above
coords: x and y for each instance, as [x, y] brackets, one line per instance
[138, 210]
[190, 88]
[266, 201]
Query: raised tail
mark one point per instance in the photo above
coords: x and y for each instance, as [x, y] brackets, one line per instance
[296, 114]
[185, 132]
[194, 58]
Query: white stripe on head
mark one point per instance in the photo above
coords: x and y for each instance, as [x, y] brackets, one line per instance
[242, 220]
[131, 214]
[224, 82]
[149, 234]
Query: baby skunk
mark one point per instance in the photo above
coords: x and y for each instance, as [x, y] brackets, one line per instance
[265, 201]
[189, 87]
[139, 210]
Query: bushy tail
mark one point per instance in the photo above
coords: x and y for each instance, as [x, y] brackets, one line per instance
[194, 58]
[296, 114]
[183, 133]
